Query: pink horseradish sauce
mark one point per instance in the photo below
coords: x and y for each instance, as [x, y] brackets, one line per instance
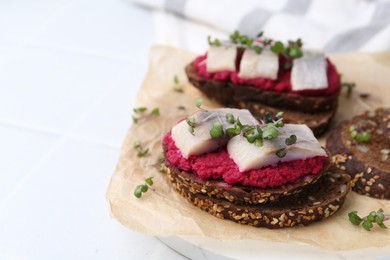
[219, 166]
[281, 84]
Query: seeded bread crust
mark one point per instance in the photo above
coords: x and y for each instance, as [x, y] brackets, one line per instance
[238, 193]
[315, 111]
[230, 90]
[316, 202]
[386, 122]
[368, 164]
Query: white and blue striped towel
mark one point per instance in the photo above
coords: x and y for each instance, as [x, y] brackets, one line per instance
[332, 25]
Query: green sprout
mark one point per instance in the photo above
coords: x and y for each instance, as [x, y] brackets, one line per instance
[377, 217]
[143, 188]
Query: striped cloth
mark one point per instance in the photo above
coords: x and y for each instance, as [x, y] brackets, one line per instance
[332, 25]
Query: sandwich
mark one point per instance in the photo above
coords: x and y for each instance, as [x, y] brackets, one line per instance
[262, 173]
[265, 76]
[360, 147]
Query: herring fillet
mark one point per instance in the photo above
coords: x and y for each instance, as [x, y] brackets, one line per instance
[220, 58]
[264, 65]
[309, 72]
[201, 142]
[248, 156]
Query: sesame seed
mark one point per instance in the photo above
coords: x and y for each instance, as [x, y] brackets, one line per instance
[385, 151]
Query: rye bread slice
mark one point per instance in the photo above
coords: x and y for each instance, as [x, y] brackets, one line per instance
[314, 111]
[239, 193]
[368, 164]
[316, 202]
[228, 93]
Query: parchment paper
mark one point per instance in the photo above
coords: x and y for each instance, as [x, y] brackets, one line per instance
[163, 212]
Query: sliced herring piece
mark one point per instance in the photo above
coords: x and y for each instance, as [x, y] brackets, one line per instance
[221, 58]
[248, 156]
[263, 65]
[309, 71]
[201, 142]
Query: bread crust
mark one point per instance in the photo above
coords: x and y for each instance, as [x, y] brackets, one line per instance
[369, 172]
[230, 92]
[316, 202]
[386, 122]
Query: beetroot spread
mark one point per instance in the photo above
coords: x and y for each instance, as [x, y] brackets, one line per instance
[219, 166]
[281, 84]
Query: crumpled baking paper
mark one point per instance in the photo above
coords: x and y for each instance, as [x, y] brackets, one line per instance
[163, 212]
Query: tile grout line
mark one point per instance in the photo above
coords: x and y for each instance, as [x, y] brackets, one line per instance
[62, 139]
[80, 51]
[51, 20]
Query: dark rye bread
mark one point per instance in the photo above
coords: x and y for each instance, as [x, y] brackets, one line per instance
[239, 193]
[316, 202]
[315, 111]
[368, 164]
[230, 92]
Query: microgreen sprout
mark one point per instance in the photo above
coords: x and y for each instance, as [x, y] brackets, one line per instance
[160, 165]
[236, 130]
[268, 118]
[257, 49]
[270, 132]
[377, 217]
[279, 124]
[217, 130]
[254, 135]
[214, 42]
[143, 188]
[149, 181]
[138, 146]
[162, 168]
[279, 115]
[176, 80]
[155, 111]
[291, 50]
[281, 153]
[230, 118]
[142, 153]
[278, 47]
[199, 102]
[141, 111]
[176, 85]
[349, 86]
[191, 124]
[359, 134]
[191, 120]
[291, 140]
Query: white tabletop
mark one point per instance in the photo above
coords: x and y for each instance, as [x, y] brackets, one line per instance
[69, 73]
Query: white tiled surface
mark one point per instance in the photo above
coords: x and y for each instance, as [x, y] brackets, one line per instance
[69, 72]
